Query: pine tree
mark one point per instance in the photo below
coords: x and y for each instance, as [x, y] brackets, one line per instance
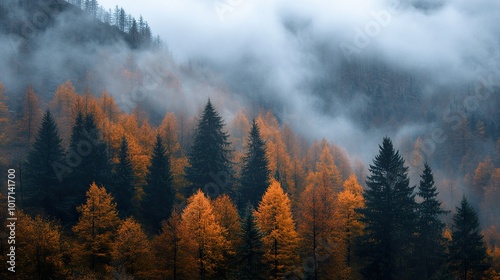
[250, 252]
[40, 174]
[203, 240]
[255, 173]
[430, 240]
[123, 189]
[96, 228]
[468, 258]
[281, 241]
[158, 192]
[389, 217]
[210, 166]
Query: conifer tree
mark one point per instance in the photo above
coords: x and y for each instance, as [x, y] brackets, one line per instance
[430, 240]
[158, 192]
[132, 250]
[255, 173]
[203, 240]
[210, 166]
[4, 117]
[40, 174]
[250, 252]
[31, 115]
[389, 217]
[280, 239]
[123, 189]
[96, 229]
[167, 247]
[468, 258]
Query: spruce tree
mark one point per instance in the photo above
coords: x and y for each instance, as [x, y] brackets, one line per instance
[210, 166]
[123, 189]
[389, 217]
[468, 258]
[255, 172]
[88, 157]
[430, 240]
[250, 252]
[158, 192]
[40, 175]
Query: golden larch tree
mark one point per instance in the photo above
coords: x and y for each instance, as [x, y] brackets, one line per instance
[31, 116]
[61, 106]
[166, 247]
[39, 248]
[132, 251]
[348, 219]
[4, 117]
[317, 229]
[280, 239]
[109, 108]
[203, 241]
[96, 229]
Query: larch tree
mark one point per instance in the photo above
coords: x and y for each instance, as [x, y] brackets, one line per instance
[350, 227]
[96, 229]
[317, 227]
[431, 243]
[61, 106]
[39, 249]
[109, 107]
[210, 166]
[132, 251]
[167, 248]
[40, 167]
[203, 241]
[158, 192]
[123, 189]
[280, 239]
[227, 216]
[468, 258]
[255, 173]
[327, 172]
[31, 115]
[250, 258]
[389, 217]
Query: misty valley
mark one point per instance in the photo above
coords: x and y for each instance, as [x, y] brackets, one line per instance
[249, 139]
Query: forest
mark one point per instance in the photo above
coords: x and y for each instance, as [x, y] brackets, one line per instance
[277, 160]
[104, 194]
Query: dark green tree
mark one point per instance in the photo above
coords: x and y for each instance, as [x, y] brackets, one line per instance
[210, 166]
[158, 192]
[389, 217]
[89, 160]
[468, 258]
[123, 188]
[255, 172]
[41, 178]
[250, 256]
[431, 243]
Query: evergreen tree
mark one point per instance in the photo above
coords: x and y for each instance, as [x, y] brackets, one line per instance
[250, 252]
[389, 217]
[255, 173]
[430, 240]
[89, 160]
[123, 189]
[158, 192]
[210, 166]
[468, 258]
[40, 174]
